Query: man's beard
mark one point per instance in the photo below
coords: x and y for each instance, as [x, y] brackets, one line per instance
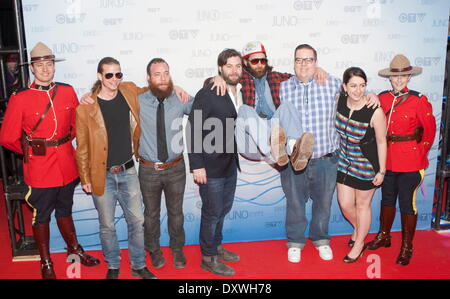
[230, 81]
[258, 73]
[162, 93]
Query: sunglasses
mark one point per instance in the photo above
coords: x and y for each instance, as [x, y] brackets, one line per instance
[110, 75]
[255, 61]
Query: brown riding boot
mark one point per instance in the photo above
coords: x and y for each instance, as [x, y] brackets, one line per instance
[383, 238]
[42, 238]
[408, 229]
[67, 229]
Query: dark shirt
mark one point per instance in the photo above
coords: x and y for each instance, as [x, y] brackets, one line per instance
[116, 115]
[212, 115]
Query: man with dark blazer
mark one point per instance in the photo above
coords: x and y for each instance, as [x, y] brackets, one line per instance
[214, 161]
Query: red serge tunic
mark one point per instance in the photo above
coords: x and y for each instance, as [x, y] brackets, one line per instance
[58, 167]
[415, 111]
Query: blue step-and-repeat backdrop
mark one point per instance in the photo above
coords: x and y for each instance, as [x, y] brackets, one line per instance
[190, 34]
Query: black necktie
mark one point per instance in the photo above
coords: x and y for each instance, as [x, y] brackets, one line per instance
[161, 132]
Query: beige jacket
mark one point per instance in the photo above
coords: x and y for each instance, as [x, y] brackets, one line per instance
[92, 139]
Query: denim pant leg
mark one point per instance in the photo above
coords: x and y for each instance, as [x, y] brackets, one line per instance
[322, 174]
[174, 185]
[216, 201]
[130, 199]
[252, 134]
[106, 208]
[288, 118]
[151, 187]
[228, 200]
[295, 187]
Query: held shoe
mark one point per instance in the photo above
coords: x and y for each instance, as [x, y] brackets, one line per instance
[294, 255]
[278, 146]
[302, 151]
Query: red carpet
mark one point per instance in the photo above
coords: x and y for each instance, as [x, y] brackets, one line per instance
[266, 260]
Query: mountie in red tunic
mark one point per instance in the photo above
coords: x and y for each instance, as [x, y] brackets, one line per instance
[414, 112]
[25, 107]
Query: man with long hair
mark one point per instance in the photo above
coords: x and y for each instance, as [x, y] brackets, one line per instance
[105, 132]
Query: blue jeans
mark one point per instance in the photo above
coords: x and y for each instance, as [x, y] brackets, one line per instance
[124, 188]
[253, 132]
[217, 200]
[318, 182]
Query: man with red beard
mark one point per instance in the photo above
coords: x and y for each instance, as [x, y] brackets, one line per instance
[162, 166]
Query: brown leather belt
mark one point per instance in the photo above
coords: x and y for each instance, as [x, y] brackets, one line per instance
[417, 135]
[399, 138]
[161, 166]
[56, 142]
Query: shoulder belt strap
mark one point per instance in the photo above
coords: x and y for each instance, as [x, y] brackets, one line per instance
[45, 111]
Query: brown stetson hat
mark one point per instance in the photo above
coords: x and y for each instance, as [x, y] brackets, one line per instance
[400, 65]
[41, 52]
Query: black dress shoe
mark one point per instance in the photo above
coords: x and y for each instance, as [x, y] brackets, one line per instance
[143, 273]
[112, 274]
[350, 260]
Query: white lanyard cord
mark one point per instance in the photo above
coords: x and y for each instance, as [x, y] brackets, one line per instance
[54, 115]
[390, 114]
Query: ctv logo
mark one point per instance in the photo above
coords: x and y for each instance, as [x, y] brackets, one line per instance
[412, 17]
[307, 5]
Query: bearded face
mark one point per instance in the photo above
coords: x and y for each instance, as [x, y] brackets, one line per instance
[256, 65]
[231, 72]
[161, 90]
[160, 81]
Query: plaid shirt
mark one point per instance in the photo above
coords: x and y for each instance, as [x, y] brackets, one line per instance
[317, 107]
[249, 91]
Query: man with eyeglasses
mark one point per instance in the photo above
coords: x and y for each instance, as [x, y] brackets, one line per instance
[266, 129]
[316, 105]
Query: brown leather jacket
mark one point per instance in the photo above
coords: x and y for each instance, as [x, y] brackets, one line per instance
[92, 140]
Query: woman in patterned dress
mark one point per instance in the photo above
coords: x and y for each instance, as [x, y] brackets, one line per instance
[362, 156]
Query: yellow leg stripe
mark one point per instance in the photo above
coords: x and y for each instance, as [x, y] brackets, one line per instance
[34, 210]
[414, 199]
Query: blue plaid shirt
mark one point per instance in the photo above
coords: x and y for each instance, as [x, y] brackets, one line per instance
[317, 107]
